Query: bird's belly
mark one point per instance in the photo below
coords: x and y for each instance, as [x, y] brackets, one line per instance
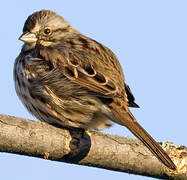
[86, 115]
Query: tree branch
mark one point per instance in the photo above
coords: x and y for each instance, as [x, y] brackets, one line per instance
[37, 139]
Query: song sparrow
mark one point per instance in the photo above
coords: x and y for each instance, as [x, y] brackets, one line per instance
[68, 79]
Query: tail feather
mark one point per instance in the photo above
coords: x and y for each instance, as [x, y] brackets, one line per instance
[151, 144]
[127, 119]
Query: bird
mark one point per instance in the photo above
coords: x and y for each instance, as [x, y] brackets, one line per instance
[68, 79]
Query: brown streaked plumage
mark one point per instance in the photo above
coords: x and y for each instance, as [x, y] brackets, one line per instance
[68, 79]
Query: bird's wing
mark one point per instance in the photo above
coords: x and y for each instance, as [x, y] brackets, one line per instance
[92, 65]
[130, 97]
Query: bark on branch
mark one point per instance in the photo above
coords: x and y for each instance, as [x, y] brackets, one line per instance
[37, 139]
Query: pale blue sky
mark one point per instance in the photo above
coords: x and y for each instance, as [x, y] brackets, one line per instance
[150, 41]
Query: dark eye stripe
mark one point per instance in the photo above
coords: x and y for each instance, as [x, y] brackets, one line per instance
[61, 30]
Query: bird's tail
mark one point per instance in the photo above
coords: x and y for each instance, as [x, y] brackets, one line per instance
[125, 118]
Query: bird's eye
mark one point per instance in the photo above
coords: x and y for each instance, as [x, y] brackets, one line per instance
[47, 31]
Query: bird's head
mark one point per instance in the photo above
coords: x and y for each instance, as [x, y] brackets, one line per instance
[44, 28]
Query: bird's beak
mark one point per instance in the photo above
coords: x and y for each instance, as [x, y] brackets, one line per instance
[28, 37]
